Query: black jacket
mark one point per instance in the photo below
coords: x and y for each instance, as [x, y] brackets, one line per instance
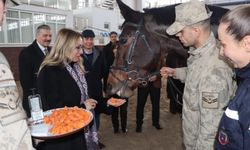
[30, 60]
[108, 53]
[58, 89]
[109, 57]
[234, 128]
[96, 70]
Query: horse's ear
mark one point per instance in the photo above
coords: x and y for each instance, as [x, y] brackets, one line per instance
[128, 13]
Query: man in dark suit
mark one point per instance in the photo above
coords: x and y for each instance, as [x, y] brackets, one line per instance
[154, 90]
[30, 60]
[109, 54]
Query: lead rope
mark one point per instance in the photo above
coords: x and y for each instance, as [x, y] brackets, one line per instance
[178, 91]
[170, 80]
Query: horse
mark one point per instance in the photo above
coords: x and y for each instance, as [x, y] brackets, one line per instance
[143, 43]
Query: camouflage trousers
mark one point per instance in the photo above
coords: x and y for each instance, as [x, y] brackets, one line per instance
[15, 136]
[199, 127]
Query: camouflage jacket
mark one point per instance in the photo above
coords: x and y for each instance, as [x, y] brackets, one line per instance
[208, 78]
[15, 134]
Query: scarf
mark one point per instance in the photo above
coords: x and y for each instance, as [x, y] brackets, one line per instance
[90, 130]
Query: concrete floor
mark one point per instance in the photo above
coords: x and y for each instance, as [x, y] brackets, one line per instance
[169, 138]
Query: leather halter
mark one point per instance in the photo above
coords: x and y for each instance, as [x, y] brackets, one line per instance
[134, 42]
[133, 74]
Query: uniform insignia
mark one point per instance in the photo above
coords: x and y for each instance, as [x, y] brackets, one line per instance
[210, 100]
[223, 138]
[9, 96]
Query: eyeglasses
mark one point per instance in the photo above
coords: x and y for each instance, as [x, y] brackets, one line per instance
[79, 48]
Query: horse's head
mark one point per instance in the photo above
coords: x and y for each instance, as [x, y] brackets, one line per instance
[143, 43]
[137, 55]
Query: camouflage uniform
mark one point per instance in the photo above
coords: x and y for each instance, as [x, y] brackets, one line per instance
[208, 82]
[15, 134]
[208, 88]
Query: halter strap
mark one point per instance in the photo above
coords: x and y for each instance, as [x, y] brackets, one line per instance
[133, 74]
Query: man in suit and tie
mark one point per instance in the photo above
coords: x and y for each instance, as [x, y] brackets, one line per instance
[30, 60]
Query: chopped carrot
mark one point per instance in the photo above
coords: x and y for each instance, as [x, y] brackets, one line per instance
[66, 119]
[115, 100]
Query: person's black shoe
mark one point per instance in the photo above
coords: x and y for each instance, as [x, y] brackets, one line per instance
[157, 126]
[101, 145]
[125, 130]
[138, 129]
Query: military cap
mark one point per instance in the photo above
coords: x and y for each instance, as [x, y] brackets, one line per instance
[88, 33]
[188, 14]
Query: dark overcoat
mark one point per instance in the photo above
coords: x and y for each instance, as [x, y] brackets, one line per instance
[96, 70]
[58, 89]
[30, 60]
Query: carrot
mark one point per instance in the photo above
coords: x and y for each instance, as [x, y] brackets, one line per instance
[66, 119]
[114, 100]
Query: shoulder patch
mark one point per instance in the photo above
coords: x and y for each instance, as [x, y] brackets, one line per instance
[210, 100]
[223, 137]
[9, 96]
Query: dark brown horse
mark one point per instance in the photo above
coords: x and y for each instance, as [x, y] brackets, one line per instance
[143, 43]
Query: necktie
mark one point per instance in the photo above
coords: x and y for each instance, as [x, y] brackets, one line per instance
[46, 51]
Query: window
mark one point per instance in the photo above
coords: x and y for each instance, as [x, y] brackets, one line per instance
[13, 30]
[21, 26]
[106, 25]
[1, 35]
[58, 4]
[26, 25]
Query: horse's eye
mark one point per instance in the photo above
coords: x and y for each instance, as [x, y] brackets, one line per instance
[122, 41]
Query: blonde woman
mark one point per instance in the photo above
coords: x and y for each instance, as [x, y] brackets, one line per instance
[61, 82]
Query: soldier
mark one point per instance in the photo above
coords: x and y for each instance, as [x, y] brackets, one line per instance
[15, 134]
[234, 34]
[208, 79]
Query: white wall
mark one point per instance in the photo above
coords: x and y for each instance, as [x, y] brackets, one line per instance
[101, 16]
[130, 3]
[96, 19]
[98, 16]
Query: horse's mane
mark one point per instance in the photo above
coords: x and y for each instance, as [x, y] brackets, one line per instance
[166, 15]
[218, 12]
[163, 15]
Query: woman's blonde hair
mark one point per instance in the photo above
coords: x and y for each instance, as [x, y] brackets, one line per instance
[65, 43]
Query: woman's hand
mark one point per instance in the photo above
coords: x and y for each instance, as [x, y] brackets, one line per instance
[90, 104]
[116, 102]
